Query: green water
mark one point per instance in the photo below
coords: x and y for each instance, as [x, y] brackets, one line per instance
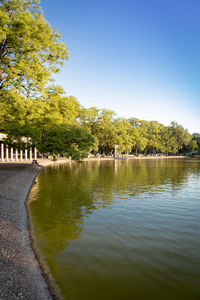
[121, 230]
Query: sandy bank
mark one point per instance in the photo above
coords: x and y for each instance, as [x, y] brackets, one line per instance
[48, 162]
[132, 158]
[20, 275]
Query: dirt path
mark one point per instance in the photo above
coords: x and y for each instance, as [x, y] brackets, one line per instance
[20, 274]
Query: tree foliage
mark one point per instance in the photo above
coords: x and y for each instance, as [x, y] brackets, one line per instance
[30, 50]
[133, 135]
[33, 112]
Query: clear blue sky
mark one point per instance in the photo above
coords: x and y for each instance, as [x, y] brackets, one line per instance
[140, 58]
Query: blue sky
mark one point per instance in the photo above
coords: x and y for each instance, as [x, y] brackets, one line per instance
[140, 58]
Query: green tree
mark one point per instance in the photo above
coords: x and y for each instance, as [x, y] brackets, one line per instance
[50, 125]
[124, 135]
[34, 113]
[180, 135]
[100, 123]
[106, 133]
[154, 137]
[196, 137]
[194, 145]
[30, 50]
[140, 134]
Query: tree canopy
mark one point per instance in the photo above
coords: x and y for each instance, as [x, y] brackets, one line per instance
[30, 50]
[34, 112]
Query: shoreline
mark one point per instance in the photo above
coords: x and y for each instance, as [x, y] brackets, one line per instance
[52, 287]
[26, 274]
[47, 162]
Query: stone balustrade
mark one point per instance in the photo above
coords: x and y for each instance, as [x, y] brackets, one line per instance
[8, 153]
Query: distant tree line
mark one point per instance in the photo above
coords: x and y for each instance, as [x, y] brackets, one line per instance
[134, 135]
[34, 112]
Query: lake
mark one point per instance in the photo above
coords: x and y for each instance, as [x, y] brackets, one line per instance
[121, 229]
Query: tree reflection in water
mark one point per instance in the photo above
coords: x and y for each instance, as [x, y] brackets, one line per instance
[67, 194]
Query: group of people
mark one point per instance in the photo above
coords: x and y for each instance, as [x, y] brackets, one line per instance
[35, 163]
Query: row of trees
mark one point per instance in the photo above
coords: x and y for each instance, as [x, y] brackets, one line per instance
[59, 125]
[33, 111]
[134, 135]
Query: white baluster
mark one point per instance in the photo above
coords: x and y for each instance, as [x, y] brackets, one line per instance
[35, 153]
[16, 155]
[30, 154]
[2, 151]
[7, 153]
[26, 154]
[21, 154]
[11, 154]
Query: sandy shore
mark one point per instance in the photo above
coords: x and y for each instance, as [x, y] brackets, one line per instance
[47, 162]
[20, 275]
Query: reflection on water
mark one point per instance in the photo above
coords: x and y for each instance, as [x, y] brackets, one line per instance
[121, 229]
